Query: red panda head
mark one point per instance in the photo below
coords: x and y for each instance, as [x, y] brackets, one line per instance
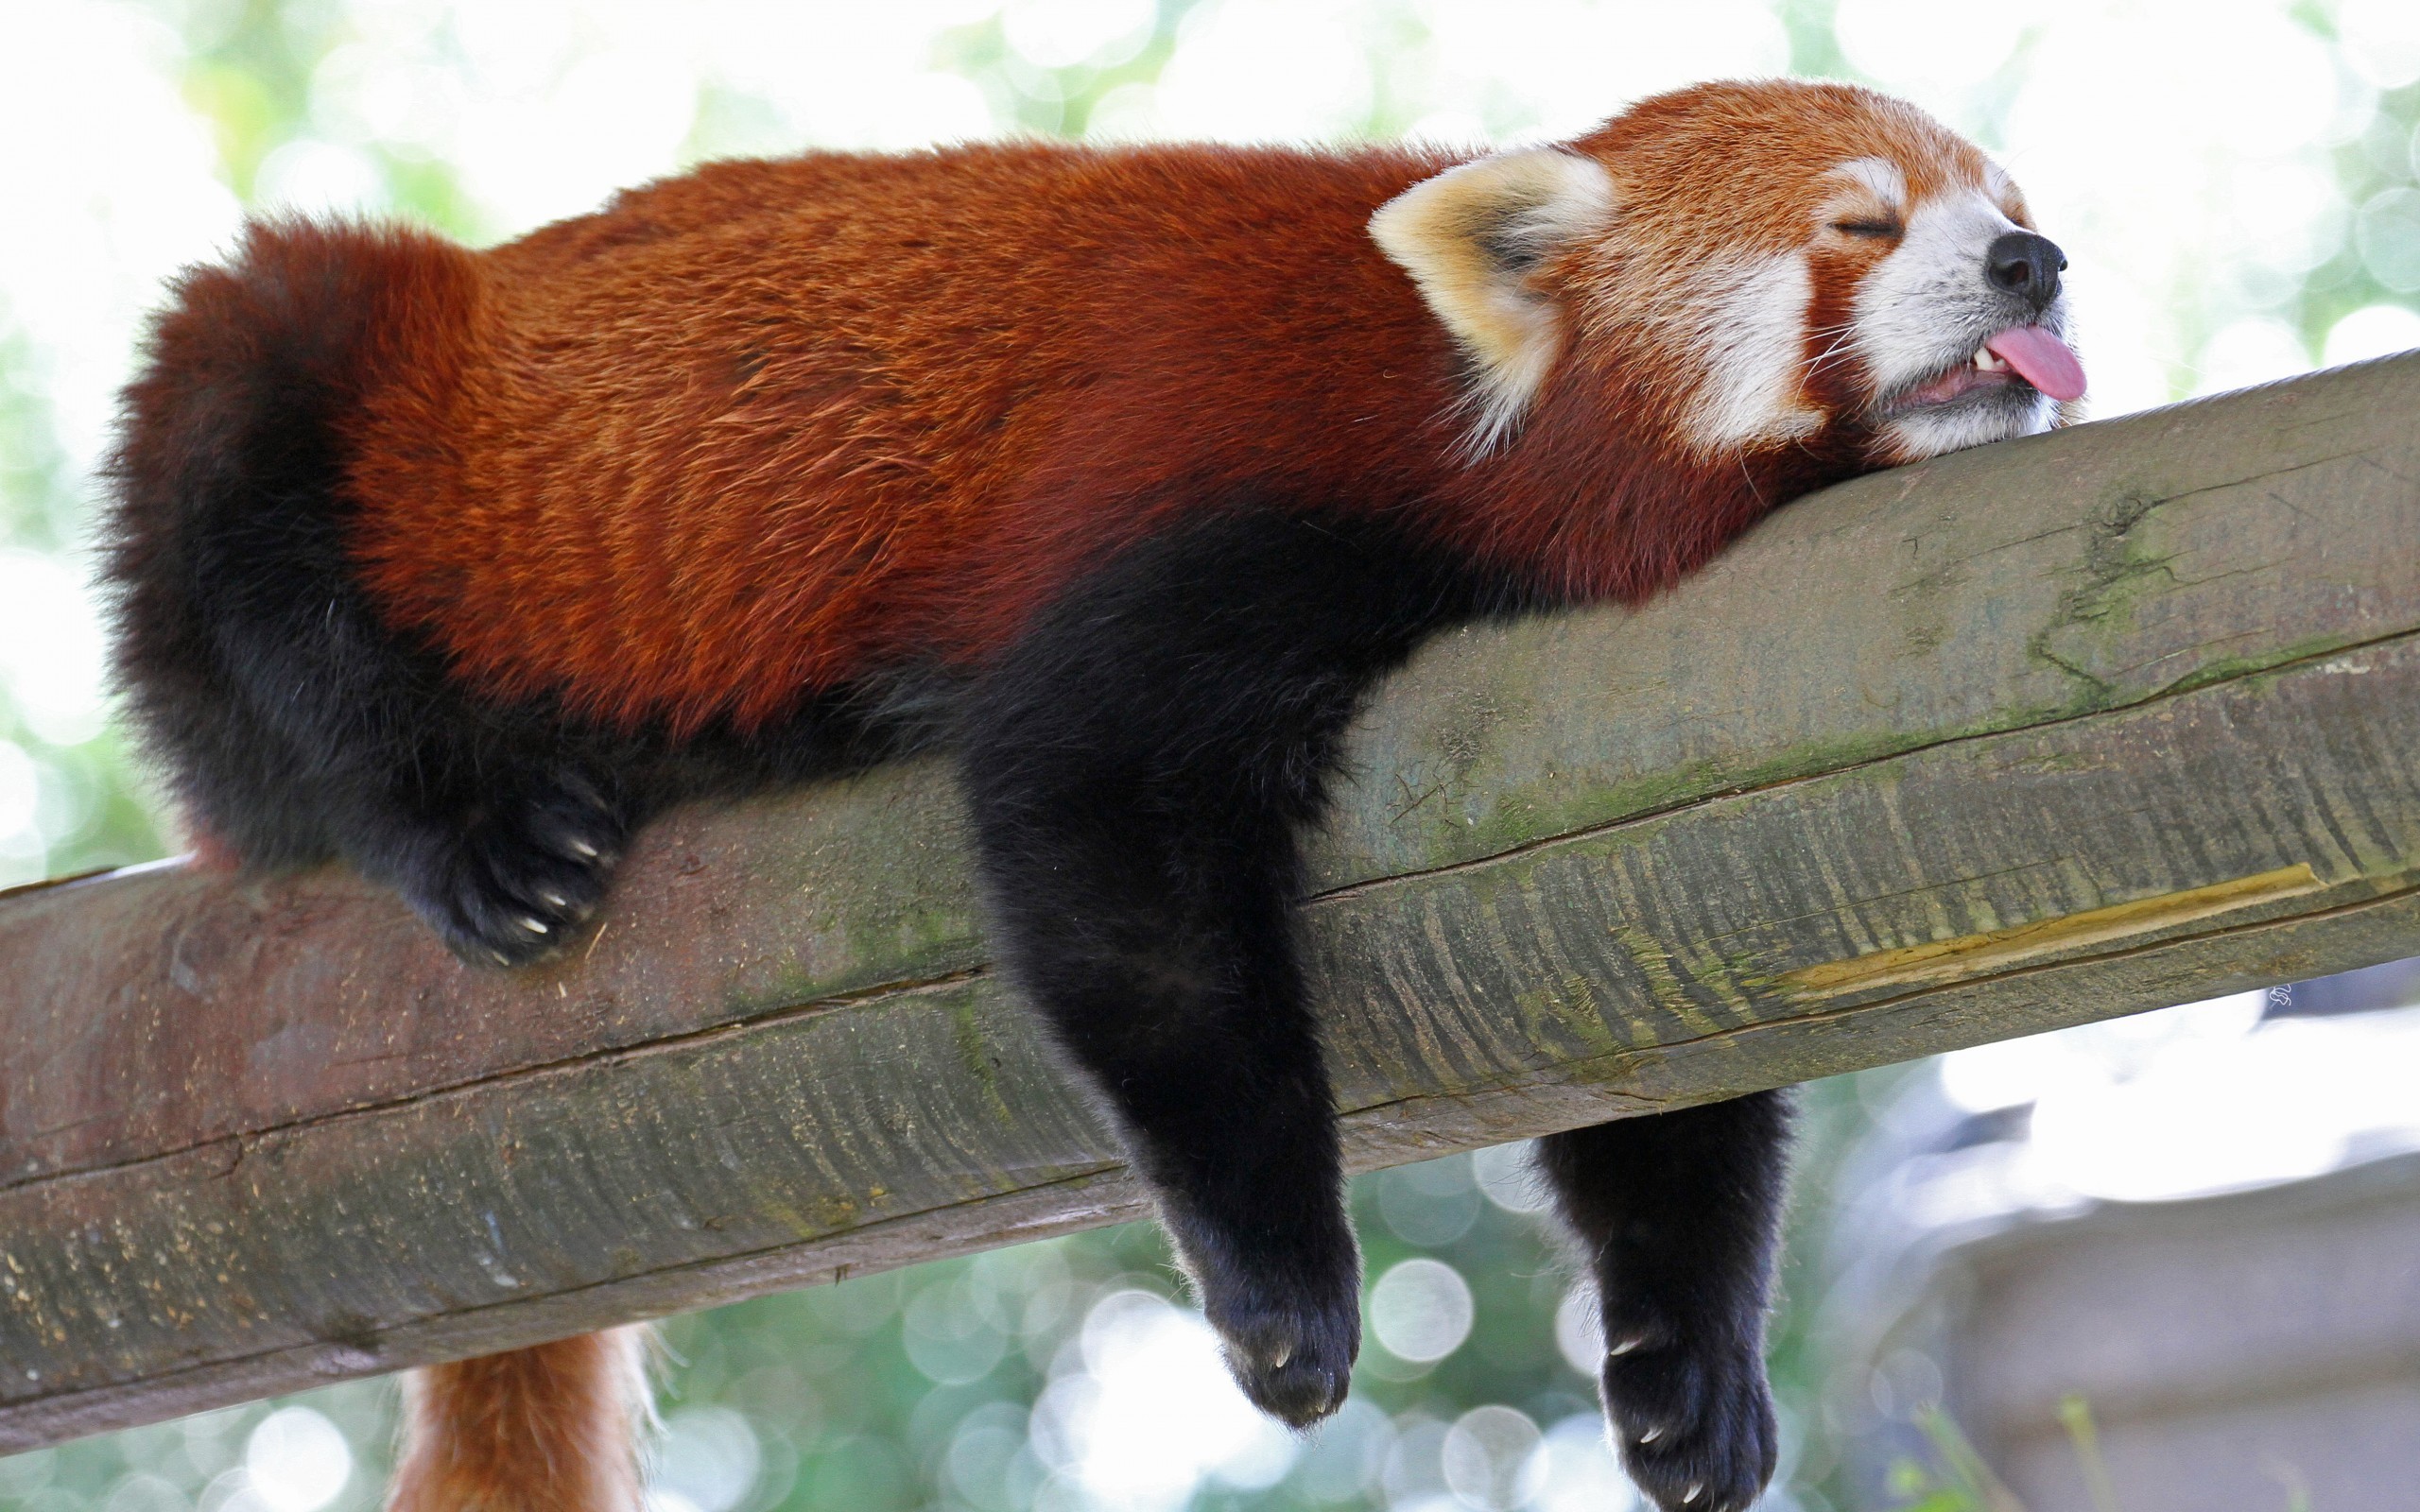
[1771, 265]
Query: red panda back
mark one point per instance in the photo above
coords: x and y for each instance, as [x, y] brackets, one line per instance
[759, 430]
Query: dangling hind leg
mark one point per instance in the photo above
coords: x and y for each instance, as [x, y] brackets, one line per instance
[1677, 1215]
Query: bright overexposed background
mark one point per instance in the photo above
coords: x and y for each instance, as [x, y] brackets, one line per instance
[2234, 183]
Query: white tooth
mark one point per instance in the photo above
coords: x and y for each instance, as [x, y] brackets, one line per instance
[1988, 360]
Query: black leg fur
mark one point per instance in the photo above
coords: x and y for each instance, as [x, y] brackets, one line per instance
[1678, 1217]
[301, 727]
[1140, 767]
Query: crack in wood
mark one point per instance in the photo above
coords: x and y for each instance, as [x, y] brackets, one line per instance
[2181, 688]
[1979, 954]
[234, 1144]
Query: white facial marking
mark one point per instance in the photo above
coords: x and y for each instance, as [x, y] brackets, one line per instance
[1879, 176]
[1999, 185]
[1928, 307]
[1753, 338]
[1929, 433]
[1921, 288]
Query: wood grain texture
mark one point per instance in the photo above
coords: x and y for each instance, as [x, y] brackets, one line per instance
[2046, 732]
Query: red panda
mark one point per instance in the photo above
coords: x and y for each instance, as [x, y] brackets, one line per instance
[1121, 473]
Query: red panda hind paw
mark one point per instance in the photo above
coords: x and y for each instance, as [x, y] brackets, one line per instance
[1696, 1429]
[516, 885]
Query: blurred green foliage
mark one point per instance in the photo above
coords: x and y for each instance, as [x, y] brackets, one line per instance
[1953, 1478]
[79, 785]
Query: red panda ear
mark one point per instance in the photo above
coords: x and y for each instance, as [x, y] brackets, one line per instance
[1470, 239]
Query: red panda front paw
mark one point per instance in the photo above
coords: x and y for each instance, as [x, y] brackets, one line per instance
[515, 885]
[1294, 1360]
[1695, 1425]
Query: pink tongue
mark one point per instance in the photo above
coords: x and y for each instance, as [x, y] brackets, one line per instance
[2041, 359]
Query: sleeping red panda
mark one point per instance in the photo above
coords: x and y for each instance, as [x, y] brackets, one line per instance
[1122, 473]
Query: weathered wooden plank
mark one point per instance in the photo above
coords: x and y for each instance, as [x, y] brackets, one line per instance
[2059, 730]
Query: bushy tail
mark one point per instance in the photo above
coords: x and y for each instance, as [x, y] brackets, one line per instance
[557, 1428]
[227, 544]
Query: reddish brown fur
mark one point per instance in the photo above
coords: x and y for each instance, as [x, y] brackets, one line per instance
[798, 420]
[1779, 141]
[767, 427]
[549, 1429]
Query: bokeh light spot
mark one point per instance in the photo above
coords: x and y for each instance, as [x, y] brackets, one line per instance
[297, 1461]
[1420, 1310]
[709, 1457]
[2372, 331]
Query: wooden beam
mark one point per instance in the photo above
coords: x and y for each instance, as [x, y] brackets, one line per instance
[2051, 732]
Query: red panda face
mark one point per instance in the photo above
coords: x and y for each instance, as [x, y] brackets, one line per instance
[1953, 324]
[1764, 264]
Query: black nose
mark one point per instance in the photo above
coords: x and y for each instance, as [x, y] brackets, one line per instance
[2026, 266]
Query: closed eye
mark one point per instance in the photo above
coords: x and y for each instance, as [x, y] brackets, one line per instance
[1879, 229]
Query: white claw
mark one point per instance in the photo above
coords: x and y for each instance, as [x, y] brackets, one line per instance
[1650, 1435]
[582, 849]
[1693, 1493]
[535, 926]
[1625, 1346]
[1277, 1361]
[554, 900]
